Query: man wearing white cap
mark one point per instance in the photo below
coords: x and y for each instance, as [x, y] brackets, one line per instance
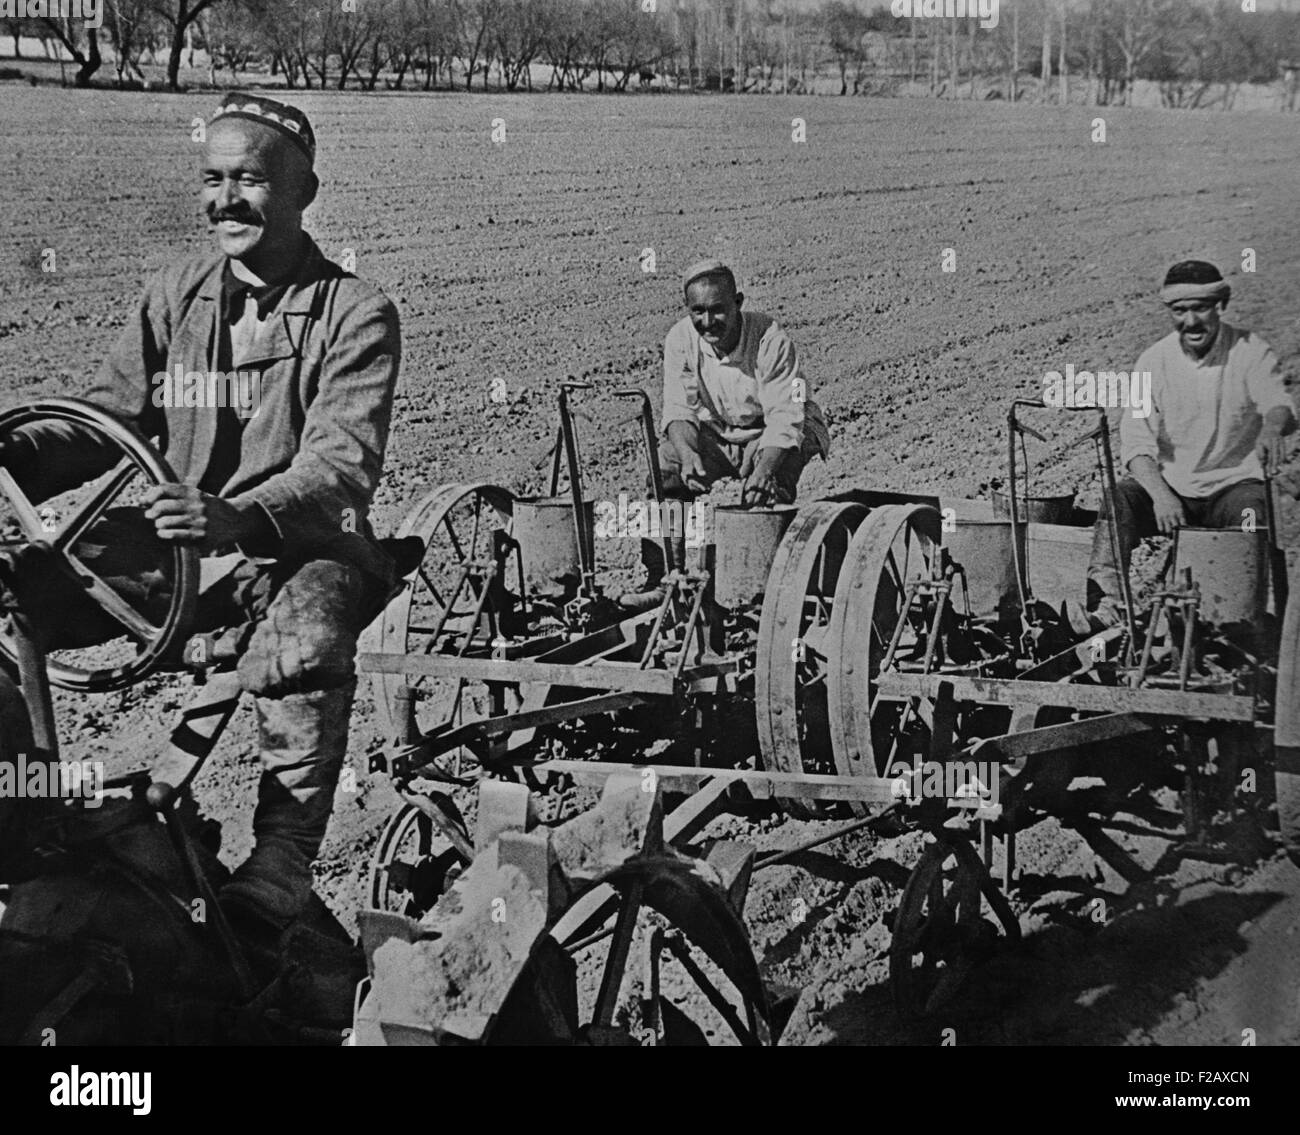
[736, 404]
[1219, 412]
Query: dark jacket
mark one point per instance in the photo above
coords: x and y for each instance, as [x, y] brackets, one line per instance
[328, 362]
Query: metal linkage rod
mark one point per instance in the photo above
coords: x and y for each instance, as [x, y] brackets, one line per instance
[569, 437]
[776, 857]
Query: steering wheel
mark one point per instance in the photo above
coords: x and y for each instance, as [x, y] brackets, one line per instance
[138, 459]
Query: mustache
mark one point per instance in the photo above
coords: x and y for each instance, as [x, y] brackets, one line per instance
[239, 216]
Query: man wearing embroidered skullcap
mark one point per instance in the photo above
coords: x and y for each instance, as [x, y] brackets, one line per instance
[1219, 412]
[274, 491]
[736, 404]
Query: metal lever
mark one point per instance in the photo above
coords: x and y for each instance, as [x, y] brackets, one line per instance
[569, 443]
[1276, 556]
[652, 463]
[1018, 426]
[1110, 488]
[1100, 437]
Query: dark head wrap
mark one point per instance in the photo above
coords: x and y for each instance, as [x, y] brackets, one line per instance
[1194, 280]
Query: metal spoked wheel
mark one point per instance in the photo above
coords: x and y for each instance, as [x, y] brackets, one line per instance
[897, 546]
[459, 600]
[1287, 728]
[676, 968]
[795, 657]
[410, 868]
[940, 929]
[65, 524]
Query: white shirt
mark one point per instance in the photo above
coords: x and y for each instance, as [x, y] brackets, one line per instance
[757, 385]
[1206, 413]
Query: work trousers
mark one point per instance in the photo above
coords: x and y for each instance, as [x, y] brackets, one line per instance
[293, 629]
[722, 459]
[1135, 520]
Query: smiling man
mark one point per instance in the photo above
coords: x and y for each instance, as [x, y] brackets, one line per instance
[276, 499]
[736, 405]
[1219, 413]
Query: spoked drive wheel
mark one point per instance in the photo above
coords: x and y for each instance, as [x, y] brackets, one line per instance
[466, 587]
[678, 939]
[897, 546]
[940, 928]
[410, 866]
[796, 658]
[1287, 728]
[58, 528]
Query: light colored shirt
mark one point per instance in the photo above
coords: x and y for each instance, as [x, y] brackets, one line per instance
[246, 330]
[1206, 414]
[757, 386]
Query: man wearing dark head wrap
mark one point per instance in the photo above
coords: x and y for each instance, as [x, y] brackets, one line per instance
[276, 491]
[1219, 411]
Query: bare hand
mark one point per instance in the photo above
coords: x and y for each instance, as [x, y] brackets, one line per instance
[1270, 449]
[188, 516]
[693, 475]
[1169, 513]
[760, 488]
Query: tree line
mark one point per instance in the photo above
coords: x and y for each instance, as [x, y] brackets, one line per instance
[1199, 52]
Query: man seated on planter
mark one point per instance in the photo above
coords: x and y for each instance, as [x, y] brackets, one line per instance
[735, 405]
[1219, 412]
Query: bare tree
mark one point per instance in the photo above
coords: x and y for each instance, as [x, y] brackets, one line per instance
[1046, 61]
[1202, 49]
[233, 35]
[1005, 42]
[350, 33]
[845, 26]
[132, 30]
[402, 32]
[934, 47]
[911, 50]
[564, 44]
[438, 39]
[14, 29]
[1013, 87]
[1136, 28]
[954, 69]
[70, 32]
[805, 42]
[288, 29]
[380, 49]
[475, 23]
[179, 16]
[765, 45]
[640, 44]
[971, 28]
[1062, 60]
[319, 41]
[520, 32]
[604, 26]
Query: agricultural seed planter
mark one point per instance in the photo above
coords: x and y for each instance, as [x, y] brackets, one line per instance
[853, 639]
[862, 644]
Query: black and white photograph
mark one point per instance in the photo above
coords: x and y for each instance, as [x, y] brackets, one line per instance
[650, 522]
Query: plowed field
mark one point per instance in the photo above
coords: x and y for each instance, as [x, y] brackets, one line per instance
[525, 259]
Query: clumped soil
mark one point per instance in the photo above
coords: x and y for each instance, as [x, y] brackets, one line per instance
[516, 266]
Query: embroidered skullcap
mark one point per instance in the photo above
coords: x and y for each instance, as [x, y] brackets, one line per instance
[288, 120]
